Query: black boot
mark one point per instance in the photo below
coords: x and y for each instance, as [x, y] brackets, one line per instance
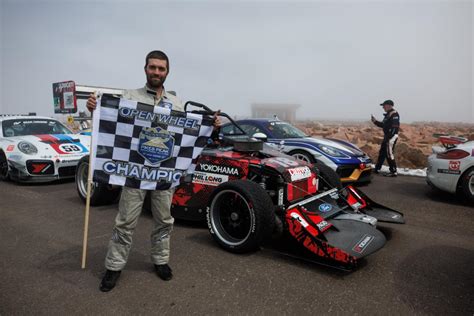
[109, 280]
[164, 271]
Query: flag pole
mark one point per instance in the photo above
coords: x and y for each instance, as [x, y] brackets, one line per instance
[88, 199]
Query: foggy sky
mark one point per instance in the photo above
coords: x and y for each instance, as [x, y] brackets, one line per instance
[338, 59]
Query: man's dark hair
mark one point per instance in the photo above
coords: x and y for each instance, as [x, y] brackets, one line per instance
[157, 54]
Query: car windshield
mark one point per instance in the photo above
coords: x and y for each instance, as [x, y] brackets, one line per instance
[23, 127]
[285, 130]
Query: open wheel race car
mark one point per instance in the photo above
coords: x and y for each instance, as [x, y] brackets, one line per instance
[249, 193]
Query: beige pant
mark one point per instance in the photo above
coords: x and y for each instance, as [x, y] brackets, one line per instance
[130, 207]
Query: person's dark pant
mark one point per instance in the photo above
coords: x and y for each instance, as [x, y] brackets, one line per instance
[387, 151]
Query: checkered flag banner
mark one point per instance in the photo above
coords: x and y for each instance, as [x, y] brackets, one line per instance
[143, 146]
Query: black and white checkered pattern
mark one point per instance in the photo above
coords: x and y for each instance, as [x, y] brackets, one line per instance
[116, 138]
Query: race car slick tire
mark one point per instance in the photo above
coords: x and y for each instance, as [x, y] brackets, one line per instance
[302, 155]
[328, 178]
[100, 193]
[467, 184]
[240, 216]
[3, 167]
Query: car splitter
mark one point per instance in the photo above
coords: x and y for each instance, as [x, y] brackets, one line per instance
[340, 226]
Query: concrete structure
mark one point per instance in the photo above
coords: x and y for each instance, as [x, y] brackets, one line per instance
[284, 111]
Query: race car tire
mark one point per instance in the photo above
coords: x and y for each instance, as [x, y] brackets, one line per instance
[467, 184]
[3, 167]
[240, 216]
[100, 194]
[328, 178]
[302, 155]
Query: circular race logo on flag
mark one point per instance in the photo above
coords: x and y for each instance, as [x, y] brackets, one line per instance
[155, 144]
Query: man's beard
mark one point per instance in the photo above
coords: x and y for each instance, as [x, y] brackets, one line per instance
[155, 84]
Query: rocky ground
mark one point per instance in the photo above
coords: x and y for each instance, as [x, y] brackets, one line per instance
[413, 146]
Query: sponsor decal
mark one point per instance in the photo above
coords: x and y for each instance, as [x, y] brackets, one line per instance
[140, 172]
[40, 167]
[65, 85]
[454, 165]
[208, 218]
[280, 197]
[472, 153]
[252, 218]
[363, 243]
[166, 104]
[212, 179]
[322, 225]
[325, 207]
[334, 195]
[10, 147]
[447, 171]
[299, 173]
[14, 157]
[155, 144]
[219, 169]
[299, 219]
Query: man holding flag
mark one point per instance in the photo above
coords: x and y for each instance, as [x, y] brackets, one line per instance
[131, 200]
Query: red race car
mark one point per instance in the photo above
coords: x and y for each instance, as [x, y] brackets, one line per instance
[250, 193]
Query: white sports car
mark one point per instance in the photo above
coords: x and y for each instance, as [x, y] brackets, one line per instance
[451, 168]
[38, 149]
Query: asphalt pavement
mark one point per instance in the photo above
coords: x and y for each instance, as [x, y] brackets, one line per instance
[426, 267]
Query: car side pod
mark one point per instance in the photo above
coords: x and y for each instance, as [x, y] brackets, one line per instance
[360, 202]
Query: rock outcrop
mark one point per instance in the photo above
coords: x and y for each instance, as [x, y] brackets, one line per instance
[413, 146]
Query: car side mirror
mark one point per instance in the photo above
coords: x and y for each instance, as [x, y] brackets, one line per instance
[260, 136]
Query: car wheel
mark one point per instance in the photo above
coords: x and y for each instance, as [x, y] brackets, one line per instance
[240, 216]
[328, 178]
[303, 155]
[3, 167]
[100, 193]
[467, 184]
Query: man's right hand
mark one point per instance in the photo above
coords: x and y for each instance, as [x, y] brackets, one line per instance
[91, 102]
[373, 119]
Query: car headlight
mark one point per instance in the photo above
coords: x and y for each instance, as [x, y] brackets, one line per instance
[27, 148]
[331, 151]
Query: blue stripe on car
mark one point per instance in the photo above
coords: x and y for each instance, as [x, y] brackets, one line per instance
[342, 160]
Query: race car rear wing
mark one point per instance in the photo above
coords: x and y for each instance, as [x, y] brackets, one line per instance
[449, 141]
